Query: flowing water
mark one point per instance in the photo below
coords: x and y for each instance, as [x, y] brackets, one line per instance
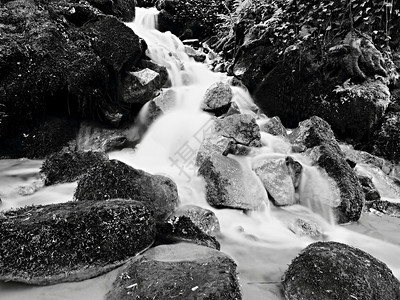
[260, 241]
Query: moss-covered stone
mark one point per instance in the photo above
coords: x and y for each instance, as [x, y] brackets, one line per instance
[71, 241]
[330, 270]
[69, 166]
[316, 138]
[114, 179]
[182, 271]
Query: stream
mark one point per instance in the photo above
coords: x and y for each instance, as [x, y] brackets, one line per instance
[260, 241]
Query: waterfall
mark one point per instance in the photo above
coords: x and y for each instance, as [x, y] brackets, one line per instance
[262, 242]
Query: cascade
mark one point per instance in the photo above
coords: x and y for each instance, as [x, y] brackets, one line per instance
[260, 241]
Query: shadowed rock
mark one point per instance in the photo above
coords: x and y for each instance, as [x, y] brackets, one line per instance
[114, 179]
[370, 191]
[182, 229]
[123, 9]
[182, 271]
[139, 87]
[330, 270]
[72, 241]
[315, 137]
[203, 218]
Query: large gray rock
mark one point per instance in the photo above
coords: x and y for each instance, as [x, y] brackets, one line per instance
[114, 179]
[242, 128]
[277, 180]
[182, 271]
[231, 184]
[72, 241]
[217, 98]
[330, 270]
[370, 191]
[315, 137]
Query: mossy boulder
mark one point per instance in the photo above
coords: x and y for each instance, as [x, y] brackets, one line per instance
[315, 138]
[72, 241]
[114, 179]
[59, 58]
[242, 128]
[181, 271]
[203, 218]
[330, 270]
[69, 166]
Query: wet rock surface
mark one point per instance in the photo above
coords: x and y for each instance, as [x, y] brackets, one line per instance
[386, 207]
[72, 241]
[370, 191]
[315, 137]
[181, 271]
[139, 87]
[203, 218]
[218, 98]
[114, 179]
[240, 127]
[69, 166]
[303, 227]
[230, 184]
[182, 229]
[330, 270]
[277, 181]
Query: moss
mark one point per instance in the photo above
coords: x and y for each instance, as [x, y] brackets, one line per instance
[69, 166]
[330, 270]
[114, 179]
[45, 241]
